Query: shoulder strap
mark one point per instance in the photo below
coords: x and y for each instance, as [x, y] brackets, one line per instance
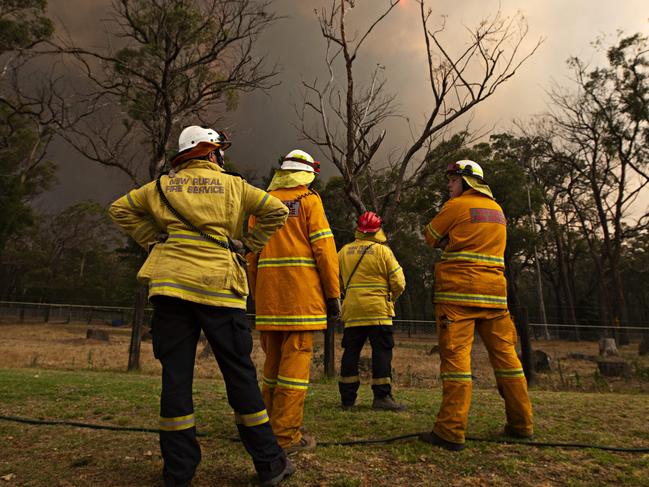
[178, 215]
[356, 266]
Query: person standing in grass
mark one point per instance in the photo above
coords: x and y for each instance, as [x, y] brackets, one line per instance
[296, 289]
[197, 282]
[372, 280]
[471, 293]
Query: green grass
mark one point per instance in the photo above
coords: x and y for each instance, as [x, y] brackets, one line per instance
[63, 455]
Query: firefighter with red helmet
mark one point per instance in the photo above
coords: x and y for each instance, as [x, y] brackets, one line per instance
[197, 283]
[471, 295]
[372, 281]
[296, 290]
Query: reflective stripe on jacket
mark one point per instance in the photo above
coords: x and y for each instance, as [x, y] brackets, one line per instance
[472, 269]
[376, 284]
[298, 268]
[186, 265]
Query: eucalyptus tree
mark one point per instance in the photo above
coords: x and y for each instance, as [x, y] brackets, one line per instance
[27, 120]
[164, 65]
[598, 134]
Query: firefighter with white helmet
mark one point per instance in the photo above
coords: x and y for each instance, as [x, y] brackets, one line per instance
[471, 294]
[197, 283]
[372, 281]
[296, 289]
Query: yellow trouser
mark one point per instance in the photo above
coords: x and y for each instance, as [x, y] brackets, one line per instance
[286, 380]
[455, 330]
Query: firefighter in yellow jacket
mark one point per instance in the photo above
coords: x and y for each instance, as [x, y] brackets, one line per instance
[471, 294]
[372, 281]
[295, 279]
[196, 282]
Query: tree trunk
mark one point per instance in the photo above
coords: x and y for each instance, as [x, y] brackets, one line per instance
[619, 306]
[563, 275]
[527, 356]
[607, 347]
[137, 328]
[329, 349]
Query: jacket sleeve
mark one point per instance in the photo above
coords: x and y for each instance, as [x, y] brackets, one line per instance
[132, 213]
[323, 247]
[396, 279]
[341, 257]
[270, 215]
[439, 226]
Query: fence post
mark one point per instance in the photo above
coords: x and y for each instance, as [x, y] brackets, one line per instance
[522, 325]
[329, 348]
[48, 309]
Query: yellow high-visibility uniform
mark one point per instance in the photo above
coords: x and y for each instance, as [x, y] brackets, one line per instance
[293, 276]
[197, 285]
[370, 292]
[187, 265]
[470, 293]
[376, 284]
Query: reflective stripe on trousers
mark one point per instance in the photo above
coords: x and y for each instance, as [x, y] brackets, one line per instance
[286, 381]
[455, 329]
[176, 327]
[382, 343]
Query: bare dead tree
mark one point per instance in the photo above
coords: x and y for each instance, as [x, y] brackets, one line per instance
[350, 121]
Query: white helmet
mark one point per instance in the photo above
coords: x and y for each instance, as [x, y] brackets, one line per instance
[298, 160]
[193, 135]
[466, 167]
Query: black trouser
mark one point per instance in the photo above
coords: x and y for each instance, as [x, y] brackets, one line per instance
[382, 344]
[176, 327]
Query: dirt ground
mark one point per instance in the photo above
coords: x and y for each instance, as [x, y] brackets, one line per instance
[415, 363]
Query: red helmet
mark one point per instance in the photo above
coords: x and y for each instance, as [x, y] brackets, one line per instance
[369, 222]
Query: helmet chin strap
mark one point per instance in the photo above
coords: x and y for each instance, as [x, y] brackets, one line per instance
[219, 158]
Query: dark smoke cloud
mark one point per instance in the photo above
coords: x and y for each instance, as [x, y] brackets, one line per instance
[263, 126]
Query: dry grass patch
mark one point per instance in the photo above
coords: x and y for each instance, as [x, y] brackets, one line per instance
[415, 363]
[40, 455]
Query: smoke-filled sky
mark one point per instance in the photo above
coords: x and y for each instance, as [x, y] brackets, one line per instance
[263, 127]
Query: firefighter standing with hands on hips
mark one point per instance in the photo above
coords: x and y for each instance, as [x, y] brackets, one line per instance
[372, 281]
[196, 282]
[470, 294]
[296, 289]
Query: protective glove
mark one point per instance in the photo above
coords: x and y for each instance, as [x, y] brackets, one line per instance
[238, 247]
[333, 309]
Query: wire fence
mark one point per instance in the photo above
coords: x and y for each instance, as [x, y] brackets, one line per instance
[59, 313]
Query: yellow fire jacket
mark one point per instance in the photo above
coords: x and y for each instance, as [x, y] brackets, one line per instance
[298, 268]
[472, 269]
[375, 285]
[187, 265]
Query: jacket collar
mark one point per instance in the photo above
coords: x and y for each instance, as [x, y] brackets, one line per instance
[378, 237]
[198, 164]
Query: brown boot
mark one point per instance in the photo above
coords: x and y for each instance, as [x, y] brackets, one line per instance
[306, 443]
[512, 433]
[435, 440]
[387, 403]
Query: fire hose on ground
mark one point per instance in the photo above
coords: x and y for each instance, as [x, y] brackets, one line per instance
[371, 441]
